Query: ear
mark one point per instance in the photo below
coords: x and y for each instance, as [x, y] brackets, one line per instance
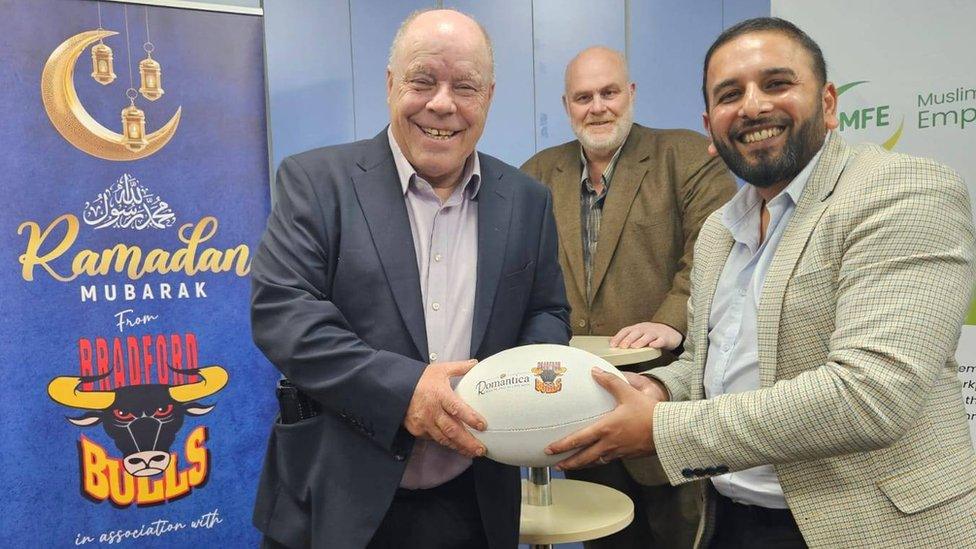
[566, 104]
[389, 84]
[491, 92]
[708, 131]
[830, 106]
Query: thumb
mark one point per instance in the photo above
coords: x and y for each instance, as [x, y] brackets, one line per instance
[460, 368]
[613, 384]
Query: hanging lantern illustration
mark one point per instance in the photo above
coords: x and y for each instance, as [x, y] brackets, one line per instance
[102, 68]
[133, 125]
[149, 74]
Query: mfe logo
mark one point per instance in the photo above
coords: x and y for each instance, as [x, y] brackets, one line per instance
[141, 406]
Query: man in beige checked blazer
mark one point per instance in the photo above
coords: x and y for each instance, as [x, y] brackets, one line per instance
[817, 395]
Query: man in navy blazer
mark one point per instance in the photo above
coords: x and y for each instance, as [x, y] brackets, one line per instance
[386, 264]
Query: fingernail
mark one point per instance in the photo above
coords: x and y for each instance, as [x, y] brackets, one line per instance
[480, 452]
[548, 452]
[597, 370]
[482, 426]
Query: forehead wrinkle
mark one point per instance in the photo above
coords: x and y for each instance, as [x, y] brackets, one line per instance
[779, 70]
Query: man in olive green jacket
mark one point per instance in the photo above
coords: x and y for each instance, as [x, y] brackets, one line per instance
[629, 202]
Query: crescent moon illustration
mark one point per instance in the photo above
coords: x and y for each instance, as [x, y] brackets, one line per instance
[70, 117]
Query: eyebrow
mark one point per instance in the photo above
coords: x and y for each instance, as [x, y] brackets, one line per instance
[766, 73]
[608, 87]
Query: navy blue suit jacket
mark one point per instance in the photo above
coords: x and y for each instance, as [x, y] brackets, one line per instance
[336, 306]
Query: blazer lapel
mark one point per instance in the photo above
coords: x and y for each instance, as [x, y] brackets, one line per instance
[494, 218]
[381, 198]
[810, 208]
[718, 243]
[566, 209]
[632, 167]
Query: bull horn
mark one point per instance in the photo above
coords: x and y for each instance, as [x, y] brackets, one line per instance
[64, 390]
[214, 379]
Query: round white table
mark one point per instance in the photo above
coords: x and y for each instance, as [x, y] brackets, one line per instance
[567, 511]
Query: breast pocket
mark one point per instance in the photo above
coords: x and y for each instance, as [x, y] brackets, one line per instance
[811, 296]
[519, 278]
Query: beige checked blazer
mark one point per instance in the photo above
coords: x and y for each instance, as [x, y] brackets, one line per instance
[860, 409]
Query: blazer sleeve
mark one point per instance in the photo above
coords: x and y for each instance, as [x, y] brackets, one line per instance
[905, 249]
[703, 186]
[303, 333]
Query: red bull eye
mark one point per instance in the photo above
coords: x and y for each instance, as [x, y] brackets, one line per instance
[163, 412]
[123, 416]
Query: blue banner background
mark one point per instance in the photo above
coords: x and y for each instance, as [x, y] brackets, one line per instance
[215, 165]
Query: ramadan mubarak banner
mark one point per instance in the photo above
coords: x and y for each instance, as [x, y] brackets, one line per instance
[135, 406]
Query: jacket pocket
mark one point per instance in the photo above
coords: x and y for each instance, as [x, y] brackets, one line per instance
[933, 483]
[299, 450]
[516, 278]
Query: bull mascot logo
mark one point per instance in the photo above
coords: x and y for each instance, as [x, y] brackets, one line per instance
[142, 420]
[548, 373]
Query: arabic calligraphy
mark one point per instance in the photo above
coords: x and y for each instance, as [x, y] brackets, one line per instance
[128, 205]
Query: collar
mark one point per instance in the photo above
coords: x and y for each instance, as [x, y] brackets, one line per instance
[748, 198]
[608, 172]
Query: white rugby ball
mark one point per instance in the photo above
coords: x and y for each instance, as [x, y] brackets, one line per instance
[532, 396]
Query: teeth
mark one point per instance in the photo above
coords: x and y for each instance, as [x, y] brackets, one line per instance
[761, 134]
[438, 134]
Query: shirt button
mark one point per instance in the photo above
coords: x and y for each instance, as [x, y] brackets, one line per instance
[581, 323]
[437, 257]
[433, 357]
[436, 306]
[742, 291]
[725, 348]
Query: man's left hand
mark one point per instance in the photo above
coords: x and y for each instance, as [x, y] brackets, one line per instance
[647, 334]
[627, 431]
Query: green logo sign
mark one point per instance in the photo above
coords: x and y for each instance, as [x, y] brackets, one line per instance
[877, 116]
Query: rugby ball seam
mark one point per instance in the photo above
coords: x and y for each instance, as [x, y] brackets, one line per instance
[541, 427]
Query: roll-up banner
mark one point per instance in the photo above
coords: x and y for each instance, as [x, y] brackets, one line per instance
[134, 406]
[906, 79]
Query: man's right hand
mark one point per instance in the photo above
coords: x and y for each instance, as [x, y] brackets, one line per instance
[649, 386]
[435, 412]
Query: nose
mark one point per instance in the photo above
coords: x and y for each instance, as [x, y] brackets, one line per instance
[443, 100]
[598, 105]
[754, 103]
[148, 463]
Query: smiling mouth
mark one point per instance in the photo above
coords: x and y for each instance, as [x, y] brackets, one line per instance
[760, 135]
[434, 133]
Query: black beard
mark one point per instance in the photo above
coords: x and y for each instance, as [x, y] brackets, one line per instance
[800, 148]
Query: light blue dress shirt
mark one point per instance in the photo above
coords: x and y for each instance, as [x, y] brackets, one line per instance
[732, 364]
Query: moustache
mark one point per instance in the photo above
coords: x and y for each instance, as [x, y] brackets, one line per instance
[740, 128]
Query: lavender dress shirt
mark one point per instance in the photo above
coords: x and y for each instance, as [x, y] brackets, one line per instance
[445, 239]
